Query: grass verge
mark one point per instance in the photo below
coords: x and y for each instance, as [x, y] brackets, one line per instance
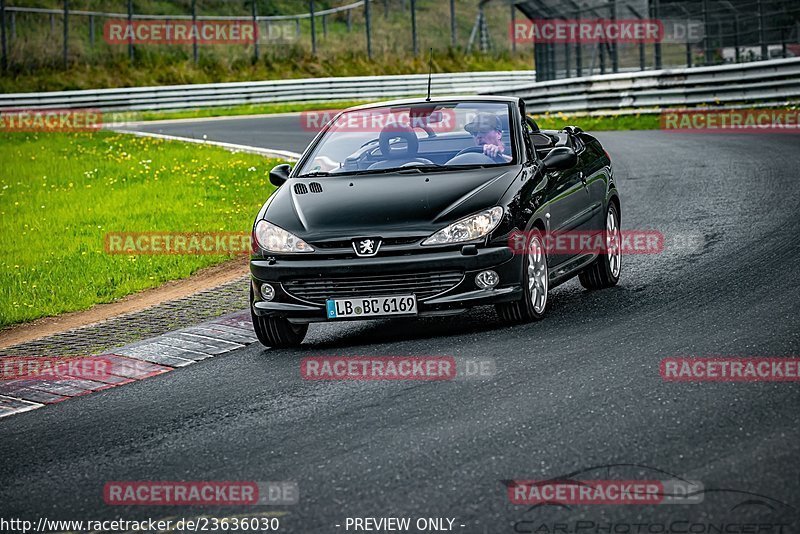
[61, 193]
[600, 123]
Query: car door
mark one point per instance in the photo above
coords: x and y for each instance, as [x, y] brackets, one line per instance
[594, 181]
[569, 208]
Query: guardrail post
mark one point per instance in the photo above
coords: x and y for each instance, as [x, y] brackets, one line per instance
[369, 29]
[641, 44]
[313, 27]
[130, 28]
[567, 59]
[483, 29]
[614, 54]
[254, 13]
[414, 27]
[91, 31]
[578, 49]
[513, 25]
[761, 41]
[297, 27]
[706, 40]
[13, 25]
[602, 50]
[194, 32]
[657, 44]
[783, 43]
[3, 42]
[453, 23]
[349, 20]
[66, 33]
[688, 44]
[385, 9]
[52, 24]
[545, 55]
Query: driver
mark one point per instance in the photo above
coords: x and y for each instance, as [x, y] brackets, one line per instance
[487, 132]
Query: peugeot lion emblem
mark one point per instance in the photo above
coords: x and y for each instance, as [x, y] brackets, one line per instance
[366, 246]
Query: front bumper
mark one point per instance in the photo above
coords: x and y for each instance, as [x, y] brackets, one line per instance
[465, 294]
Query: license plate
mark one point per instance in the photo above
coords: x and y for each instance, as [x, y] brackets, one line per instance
[371, 306]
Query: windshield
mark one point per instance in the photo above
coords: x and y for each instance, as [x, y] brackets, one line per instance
[423, 135]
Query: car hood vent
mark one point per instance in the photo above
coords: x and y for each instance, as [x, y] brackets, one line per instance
[300, 189]
[315, 187]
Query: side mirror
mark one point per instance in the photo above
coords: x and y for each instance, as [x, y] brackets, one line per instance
[279, 174]
[560, 158]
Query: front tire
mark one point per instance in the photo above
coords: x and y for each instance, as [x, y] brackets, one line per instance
[535, 282]
[605, 270]
[277, 332]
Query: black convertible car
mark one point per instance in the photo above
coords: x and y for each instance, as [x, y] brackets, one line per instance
[410, 207]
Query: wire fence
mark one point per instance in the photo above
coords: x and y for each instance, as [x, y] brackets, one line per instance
[68, 32]
[693, 32]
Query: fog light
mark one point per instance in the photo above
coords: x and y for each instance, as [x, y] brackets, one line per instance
[487, 279]
[267, 292]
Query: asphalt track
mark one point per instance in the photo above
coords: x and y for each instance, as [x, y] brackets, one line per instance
[578, 390]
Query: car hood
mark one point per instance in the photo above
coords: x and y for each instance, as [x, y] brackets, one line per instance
[385, 204]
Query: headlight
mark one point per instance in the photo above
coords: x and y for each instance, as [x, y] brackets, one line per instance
[468, 228]
[275, 239]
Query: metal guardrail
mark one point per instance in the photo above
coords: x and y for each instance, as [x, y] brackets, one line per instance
[773, 82]
[761, 83]
[301, 90]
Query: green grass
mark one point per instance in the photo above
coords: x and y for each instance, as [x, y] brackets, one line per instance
[647, 121]
[61, 193]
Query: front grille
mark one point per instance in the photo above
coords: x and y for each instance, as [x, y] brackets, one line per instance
[423, 285]
[349, 244]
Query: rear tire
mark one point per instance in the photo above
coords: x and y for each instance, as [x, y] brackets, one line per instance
[277, 332]
[535, 285]
[605, 270]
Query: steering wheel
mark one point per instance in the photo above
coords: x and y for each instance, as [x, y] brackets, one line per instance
[389, 163]
[479, 150]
